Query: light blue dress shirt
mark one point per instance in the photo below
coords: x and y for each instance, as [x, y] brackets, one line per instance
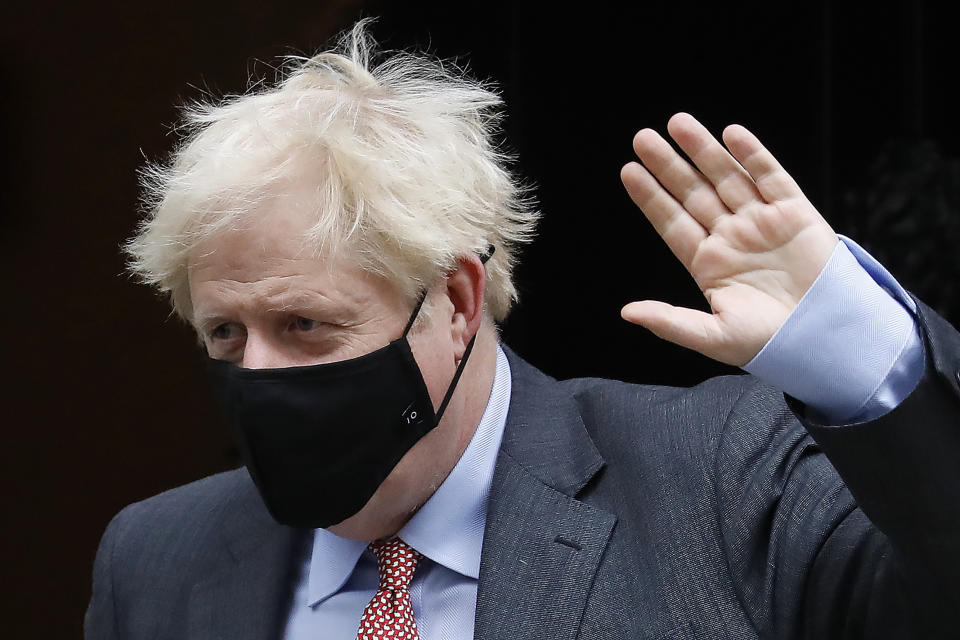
[850, 351]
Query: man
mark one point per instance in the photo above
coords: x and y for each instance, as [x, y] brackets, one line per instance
[343, 244]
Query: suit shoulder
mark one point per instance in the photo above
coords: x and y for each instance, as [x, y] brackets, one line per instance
[680, 424]
[180, 518]
[204, 496]
[599, 395]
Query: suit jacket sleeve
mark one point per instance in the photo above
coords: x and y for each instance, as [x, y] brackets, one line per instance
[100, 620]
[873, 552]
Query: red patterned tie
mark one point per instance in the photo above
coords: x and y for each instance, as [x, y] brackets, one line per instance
[390, 614]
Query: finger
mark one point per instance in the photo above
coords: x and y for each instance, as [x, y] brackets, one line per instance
[685, 184]
[682, 233]
[772, 180]
[686, 327]
[731, 181]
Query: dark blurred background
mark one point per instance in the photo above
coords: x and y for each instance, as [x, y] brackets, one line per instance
[104, 401]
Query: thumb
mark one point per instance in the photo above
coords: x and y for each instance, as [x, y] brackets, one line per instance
[688, 328]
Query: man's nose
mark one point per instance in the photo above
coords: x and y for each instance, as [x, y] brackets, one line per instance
[259, 352]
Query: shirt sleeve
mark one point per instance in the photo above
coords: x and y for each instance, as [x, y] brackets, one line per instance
[851, 350]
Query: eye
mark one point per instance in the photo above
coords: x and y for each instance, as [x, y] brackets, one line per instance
[225, 331]
[306, 324]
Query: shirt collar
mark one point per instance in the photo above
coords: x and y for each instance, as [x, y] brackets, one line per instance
[449, 527]
[331, 564]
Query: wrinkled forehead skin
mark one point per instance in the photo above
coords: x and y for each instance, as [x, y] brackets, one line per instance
[276, 237]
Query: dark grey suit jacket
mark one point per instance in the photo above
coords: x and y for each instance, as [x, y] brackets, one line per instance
[621, 511]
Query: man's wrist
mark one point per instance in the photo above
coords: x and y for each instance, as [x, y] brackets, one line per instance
[850, 350]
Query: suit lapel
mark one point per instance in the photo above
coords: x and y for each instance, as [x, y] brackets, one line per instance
[247, 594]
[542, 546]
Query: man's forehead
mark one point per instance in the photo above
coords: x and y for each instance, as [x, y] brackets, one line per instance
[278, 266]
[270, 236]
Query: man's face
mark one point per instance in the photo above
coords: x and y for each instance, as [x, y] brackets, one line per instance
[261, 300]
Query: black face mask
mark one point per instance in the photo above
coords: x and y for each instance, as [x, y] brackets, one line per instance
[318, 440]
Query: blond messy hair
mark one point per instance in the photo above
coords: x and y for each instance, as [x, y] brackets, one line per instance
[408, 172]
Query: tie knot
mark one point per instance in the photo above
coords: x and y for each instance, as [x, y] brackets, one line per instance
[396, 561]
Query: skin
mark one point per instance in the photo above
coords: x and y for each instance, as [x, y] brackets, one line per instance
[735, 219]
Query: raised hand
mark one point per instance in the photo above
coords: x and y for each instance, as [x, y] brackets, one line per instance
[740, 225]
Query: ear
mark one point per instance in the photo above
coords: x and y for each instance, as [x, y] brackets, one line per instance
[466, 287]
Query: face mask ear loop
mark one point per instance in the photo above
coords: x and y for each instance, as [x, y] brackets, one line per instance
[456, 378]
[423, 296]
[466, 353]
[413, 316]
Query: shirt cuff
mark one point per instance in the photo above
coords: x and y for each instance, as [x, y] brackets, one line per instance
[851, 350]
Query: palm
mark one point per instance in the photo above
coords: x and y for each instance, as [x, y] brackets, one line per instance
[741, 227]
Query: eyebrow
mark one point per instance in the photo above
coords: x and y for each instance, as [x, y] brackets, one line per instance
[282, 302]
